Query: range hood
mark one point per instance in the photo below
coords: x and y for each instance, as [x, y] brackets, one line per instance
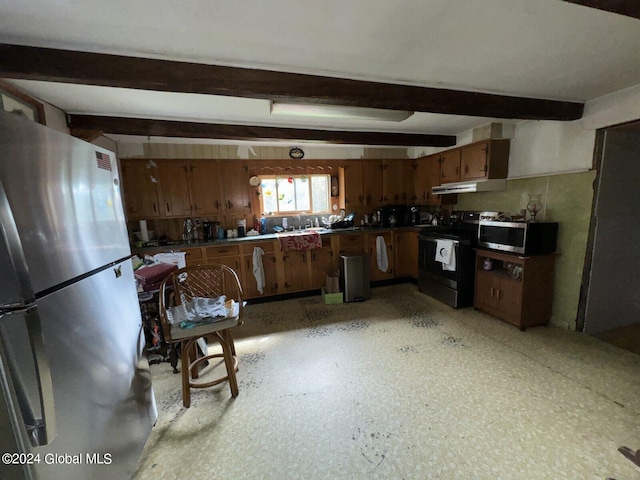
[492, 185]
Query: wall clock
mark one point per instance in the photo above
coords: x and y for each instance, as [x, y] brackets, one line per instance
[296, 153]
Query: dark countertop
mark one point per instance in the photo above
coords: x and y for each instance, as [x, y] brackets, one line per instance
[269, 236]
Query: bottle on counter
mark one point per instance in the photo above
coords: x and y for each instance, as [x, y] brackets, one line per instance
[263, 225]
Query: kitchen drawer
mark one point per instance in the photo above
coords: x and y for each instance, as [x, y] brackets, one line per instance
[192, 253]
[373, 238]
[247, 249]
[223, 250]
[354, 243]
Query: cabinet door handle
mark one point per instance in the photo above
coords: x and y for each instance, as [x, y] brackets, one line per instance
[492, 291]
[168, 207]
[229, 204]
[466, 169]
[155, 208]
[304, 258]
[498, 294]
[218, 204]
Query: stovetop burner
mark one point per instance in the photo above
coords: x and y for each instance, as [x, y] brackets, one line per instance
[463, 226]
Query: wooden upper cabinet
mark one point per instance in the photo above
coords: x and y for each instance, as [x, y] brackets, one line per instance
[372, 182]
[426, 175]
[486, 159]
[397, 180]
[205, 187]
[351, 194]
[174, 179]
[235, 183]
[140, 189]
[450, 166]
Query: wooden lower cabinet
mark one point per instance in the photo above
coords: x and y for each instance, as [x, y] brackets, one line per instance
[322, 263]
[375, 274]
[269, 260]
[296, 271]
[193, 256]
[517, 289]
[406, 248]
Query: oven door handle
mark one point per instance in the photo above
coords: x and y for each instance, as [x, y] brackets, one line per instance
[434, 240]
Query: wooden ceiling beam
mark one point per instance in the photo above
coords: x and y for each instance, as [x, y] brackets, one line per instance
[169, 128]
[622, 7]
[54, 65]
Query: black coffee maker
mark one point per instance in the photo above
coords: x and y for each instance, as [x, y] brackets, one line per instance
[394, 216]
[208, 232]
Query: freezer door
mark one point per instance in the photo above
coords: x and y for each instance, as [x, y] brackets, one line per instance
[65, 197]
[104, 402]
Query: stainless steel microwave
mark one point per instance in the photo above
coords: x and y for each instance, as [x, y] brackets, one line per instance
[518, 237]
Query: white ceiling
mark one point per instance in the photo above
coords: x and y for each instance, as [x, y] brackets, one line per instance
[546, 49]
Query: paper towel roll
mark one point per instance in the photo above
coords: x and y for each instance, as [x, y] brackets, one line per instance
[144, 233]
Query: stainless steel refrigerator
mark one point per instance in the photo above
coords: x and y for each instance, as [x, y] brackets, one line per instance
[76, 399]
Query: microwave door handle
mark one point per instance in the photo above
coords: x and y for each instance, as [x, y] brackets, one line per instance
[41, 430]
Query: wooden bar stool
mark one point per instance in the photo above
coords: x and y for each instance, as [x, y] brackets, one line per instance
[192, 291]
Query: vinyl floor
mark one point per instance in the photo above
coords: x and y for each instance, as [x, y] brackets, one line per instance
[401, 387]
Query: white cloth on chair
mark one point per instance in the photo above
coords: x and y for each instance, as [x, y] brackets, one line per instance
[258, 268]
[198, 309]
[381, 254]
[446, 254]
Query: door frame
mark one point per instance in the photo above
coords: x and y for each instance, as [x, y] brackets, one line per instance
[598, 153]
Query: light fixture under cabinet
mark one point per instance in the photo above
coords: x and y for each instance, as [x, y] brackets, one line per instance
[338, 111]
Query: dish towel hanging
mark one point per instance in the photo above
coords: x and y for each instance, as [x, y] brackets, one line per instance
[381, 254]
[446, 254]
[258, 268]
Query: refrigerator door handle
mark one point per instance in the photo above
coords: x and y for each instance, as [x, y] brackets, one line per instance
[41, 430]
[11, 238]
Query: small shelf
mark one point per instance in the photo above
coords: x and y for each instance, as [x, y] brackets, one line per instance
[509, 270]
[517, 289]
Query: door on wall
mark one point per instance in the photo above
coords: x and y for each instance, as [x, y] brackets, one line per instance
[611, 301]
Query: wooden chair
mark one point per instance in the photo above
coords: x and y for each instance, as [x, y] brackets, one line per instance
[202, 281]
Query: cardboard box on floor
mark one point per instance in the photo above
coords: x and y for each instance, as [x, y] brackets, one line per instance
[331, 293]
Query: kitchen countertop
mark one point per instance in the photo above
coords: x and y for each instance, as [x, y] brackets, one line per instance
[271, 236]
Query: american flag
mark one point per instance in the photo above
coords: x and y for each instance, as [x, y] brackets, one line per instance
[104, 161]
